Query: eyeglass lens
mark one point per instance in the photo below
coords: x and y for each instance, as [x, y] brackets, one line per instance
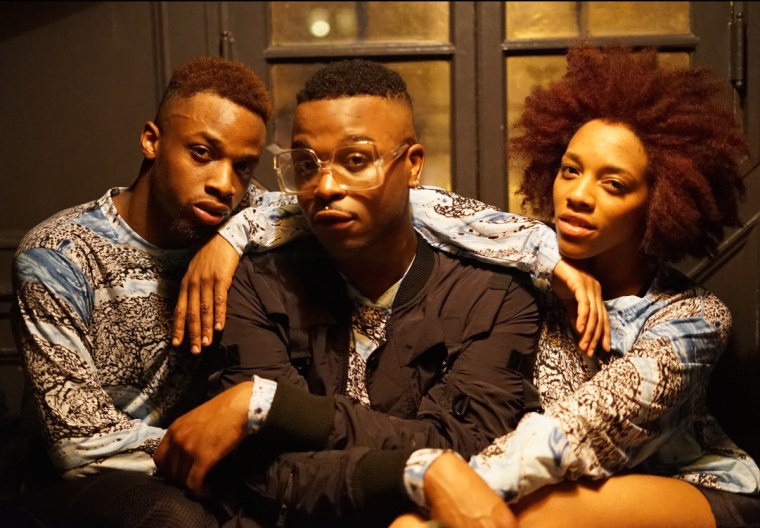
[353, 166]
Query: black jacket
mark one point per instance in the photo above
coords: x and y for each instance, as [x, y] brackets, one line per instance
[451, 374]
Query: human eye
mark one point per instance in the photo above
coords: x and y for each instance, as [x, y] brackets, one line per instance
[201, 153]
[615, 186]
[245, 169]
[567, 171]
[305, 166]
[354, 159]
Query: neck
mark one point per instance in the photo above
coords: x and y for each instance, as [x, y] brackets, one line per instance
[134, 207]
[373, 271]
[621, 275]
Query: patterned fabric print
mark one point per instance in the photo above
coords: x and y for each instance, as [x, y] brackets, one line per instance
[561, 368]
[467, 227]
[368, 323]
[449, 222]
[644, 403]
[368, 327]
[275, 220]
[96, 304]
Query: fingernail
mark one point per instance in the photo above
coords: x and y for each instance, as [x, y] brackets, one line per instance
[218, 326]
[194, 349]
[175, 342]
[204, 341]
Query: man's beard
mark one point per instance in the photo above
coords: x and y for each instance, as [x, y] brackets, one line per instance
[189, 234]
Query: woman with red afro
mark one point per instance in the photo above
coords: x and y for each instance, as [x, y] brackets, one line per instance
[637, 165]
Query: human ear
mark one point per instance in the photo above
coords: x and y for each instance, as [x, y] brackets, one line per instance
[416, 157]
[149, 140]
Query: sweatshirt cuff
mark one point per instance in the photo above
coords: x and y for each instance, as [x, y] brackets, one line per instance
[378, 479]
[414, 474]
[299, 420]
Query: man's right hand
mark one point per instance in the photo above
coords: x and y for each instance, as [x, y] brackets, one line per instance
[202, 301]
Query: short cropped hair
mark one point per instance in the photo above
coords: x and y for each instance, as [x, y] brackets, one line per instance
[354, 77]
[228, 79]
[692, 141]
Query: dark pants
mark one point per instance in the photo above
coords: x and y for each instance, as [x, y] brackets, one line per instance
[733, 510]
[116, 499]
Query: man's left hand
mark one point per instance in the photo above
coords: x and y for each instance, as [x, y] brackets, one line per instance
[198, 440]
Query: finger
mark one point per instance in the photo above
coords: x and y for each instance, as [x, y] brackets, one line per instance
[160, 456]
[602, 327]
[220, 306]
[196, 478]
[594, 328]
[598, 328]
[583, 313]
[193, 318]
[178, 331]
[207, 305]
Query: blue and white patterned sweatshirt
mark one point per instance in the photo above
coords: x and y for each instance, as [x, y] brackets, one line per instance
[642, 407]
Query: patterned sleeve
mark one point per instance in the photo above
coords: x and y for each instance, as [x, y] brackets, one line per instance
[464, 226]
[84, 430]
[620, 416]
[452, 223]
[272, 221]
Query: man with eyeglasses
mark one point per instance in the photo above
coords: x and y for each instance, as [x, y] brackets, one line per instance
[353, 346]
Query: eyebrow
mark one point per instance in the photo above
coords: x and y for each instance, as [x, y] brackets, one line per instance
[351, 138]
[218, 144]
[605, 168]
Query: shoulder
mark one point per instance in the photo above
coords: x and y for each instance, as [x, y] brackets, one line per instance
[695, 322]
[292, 256]
[487, 275]
[67, 225]
[301, 266]
[676, 296]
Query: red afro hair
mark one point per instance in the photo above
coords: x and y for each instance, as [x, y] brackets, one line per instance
[693, 144]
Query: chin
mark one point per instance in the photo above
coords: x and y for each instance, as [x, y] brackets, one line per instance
[574, 251]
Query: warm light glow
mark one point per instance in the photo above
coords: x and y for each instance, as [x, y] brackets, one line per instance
[320, 28]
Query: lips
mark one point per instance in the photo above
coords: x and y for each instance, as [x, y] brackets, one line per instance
[574, 226]
[330, 217]
[211, 213]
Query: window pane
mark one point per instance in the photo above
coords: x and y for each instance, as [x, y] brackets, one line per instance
[524, 73]
[530, 20]
[431, 109]
[298, 23]
[637, 18]
[540, 20]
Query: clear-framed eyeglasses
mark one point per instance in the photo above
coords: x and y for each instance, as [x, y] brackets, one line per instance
[355, 167]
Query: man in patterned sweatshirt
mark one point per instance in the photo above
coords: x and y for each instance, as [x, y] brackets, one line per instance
[95, 287]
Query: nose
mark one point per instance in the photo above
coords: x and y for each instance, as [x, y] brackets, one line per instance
[221, 181]
[328, 188]
[580, 193]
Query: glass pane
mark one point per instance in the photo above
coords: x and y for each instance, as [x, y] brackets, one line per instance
[431, 109]
[637, 18]
[531, 20]
[298, 23]
[523, 73]
[541, 20]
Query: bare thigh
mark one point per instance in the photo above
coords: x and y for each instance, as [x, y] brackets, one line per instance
[623, 501]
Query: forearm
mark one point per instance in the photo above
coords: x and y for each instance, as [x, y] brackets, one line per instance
[462, 225]
[275, 220]
[84, 429]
